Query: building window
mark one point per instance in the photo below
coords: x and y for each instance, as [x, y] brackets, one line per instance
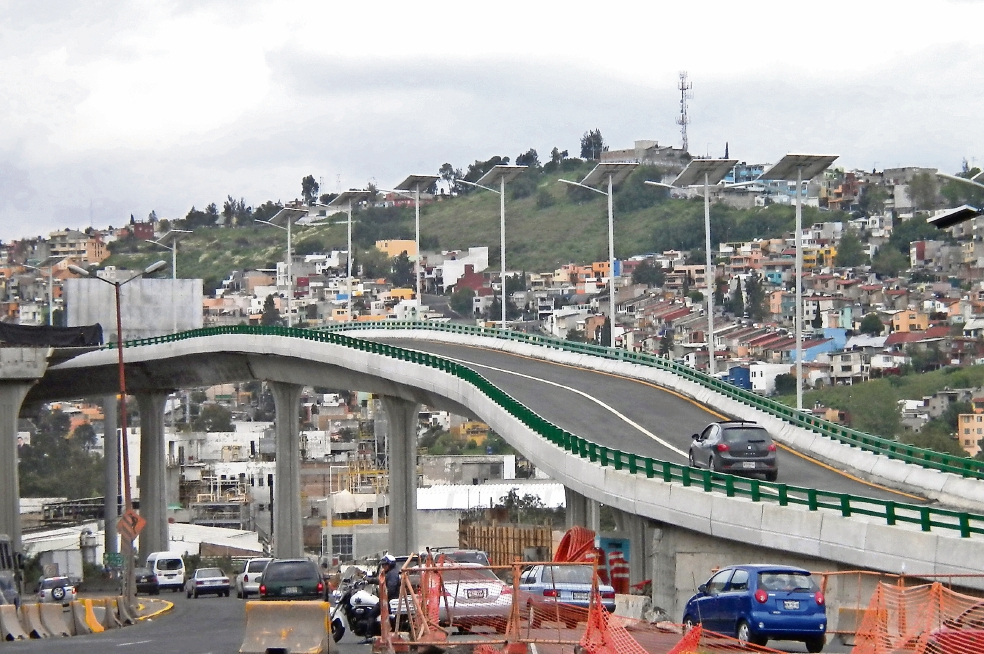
[341, 546]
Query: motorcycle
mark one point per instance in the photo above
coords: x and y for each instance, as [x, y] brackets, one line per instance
[355, 608]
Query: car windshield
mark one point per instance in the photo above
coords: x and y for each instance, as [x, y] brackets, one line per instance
[290, 571]
[786, 581]
[745, 435]
[209, 572]
[141, 571]
[256, 566]
[54, 582]
[467, 557]
[169, 564]
[568, 574]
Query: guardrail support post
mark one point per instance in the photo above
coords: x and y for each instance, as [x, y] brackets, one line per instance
[401, 417]
[153, 467]
[287, 529]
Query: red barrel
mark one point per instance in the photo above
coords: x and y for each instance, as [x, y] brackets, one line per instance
[619, 568]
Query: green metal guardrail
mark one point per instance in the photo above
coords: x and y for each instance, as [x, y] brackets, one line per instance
[964, 466]
[758, 491]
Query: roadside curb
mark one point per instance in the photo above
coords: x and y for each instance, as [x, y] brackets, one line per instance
[163, 607]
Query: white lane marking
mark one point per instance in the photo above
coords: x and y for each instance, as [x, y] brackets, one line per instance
[136, 642]
[612, 409]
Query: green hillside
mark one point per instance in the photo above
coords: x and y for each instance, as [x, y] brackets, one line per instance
[547, 224]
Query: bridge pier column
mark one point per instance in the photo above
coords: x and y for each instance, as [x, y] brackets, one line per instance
[582, 511]
[401, 416]
[11, 396]
[20, 368]
[111, 466]
[288, 535]
[153, 466]
[636, 529]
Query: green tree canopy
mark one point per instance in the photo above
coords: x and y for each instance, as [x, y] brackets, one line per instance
[889, 262]
[213, 417]
[648, 273]
[401, 273]
[309, 189]
[461, 301]
[872, 325]
[271, 314]
[58, 465]
[850, 250]
[592, 145]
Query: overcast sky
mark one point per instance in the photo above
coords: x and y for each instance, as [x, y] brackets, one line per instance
[111, 108]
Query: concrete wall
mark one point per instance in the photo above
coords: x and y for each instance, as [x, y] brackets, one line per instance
[149, 307]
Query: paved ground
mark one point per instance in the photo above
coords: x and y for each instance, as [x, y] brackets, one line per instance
[213, 625]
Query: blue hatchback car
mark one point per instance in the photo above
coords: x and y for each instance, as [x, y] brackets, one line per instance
[759, 603]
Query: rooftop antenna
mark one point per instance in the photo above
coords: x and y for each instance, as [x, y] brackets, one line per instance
[685, 87]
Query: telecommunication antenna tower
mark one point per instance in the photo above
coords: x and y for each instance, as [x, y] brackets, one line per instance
[685, 87]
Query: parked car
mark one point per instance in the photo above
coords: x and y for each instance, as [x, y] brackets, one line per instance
[759, 603]
[56, 590]
[557, 589]
[959, 635]
[146, 581]
[248, 581]
[207, 581]
[292, 579]
[473, 596]
[737, 447]
[459, 555]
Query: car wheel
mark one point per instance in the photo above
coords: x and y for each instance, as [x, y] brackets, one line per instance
[744, 635]
[688, 623]
[772, 475]
[815, 645]
[239, 594]
[189, 594]
[195, 594]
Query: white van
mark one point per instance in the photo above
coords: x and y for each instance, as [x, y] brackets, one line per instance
[169, 568]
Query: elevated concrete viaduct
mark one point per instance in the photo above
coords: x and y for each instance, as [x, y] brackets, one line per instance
[662, 518]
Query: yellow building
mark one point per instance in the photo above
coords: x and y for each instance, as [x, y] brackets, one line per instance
[910, 320]
[471, 430]
[395, 247]
[401, 294]
[970, 431]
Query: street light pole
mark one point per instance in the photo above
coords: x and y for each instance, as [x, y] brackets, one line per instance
[612, 173]
[415, 183]
[504, 173]
[799, 167]
[127, 494]
[345, 198]
[290, 279]
[175, 234]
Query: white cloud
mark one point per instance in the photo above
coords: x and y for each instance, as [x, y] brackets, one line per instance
[114, 108]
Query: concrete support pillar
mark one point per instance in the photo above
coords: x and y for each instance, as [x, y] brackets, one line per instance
[636, 530]
[582, 511]
[288, 531]
[402, 418]
[11, 396]
[153, 466]
[111, 465]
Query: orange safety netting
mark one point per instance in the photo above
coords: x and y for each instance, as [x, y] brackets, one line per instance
[929, 619]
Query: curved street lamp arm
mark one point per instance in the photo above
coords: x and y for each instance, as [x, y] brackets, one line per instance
[487, 188]
[590, 188]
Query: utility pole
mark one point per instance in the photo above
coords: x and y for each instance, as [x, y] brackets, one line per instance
[683, 120]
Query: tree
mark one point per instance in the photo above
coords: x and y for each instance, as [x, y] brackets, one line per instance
[213, 417]
[872, 325]
[592, 145]
[576, 336]
[737, 300]
[271, 314]
[850, 250]
[462, 301]
[785, 384]
[606, 333]
[56, 464]
[665, 344]
[544, 199]
[309, 189]
[873, 199]
[648, 273]
[528, 158]
[888, 262]
[401, 273]
[758, 299]
[923, 190]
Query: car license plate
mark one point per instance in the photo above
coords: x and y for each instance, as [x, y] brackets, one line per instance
[292, 590]
[475, 593]
[791, 605]
[749, 465]
[581, 596]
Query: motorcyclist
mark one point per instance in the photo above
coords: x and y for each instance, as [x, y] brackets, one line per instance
[390, 576]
